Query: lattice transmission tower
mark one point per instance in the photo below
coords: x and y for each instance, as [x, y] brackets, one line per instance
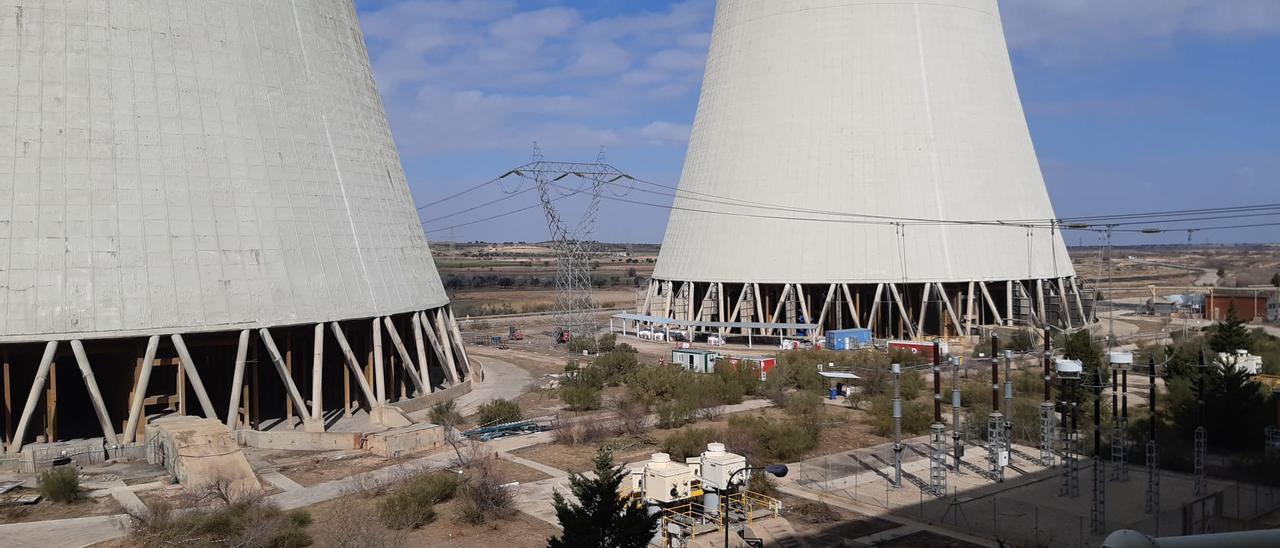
[554, 181]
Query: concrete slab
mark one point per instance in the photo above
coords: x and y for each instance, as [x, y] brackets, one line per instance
[548, 470]
[280, 481]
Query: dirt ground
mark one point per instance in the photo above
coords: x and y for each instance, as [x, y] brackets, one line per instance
[354, 517]
[46, 510]
[321, 470]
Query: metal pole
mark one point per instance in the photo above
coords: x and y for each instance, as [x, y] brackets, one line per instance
[896, 369]
[957, 444]
[1008, 404]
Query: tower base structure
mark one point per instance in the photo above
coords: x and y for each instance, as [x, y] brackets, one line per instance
[288, 378]
[908, 310]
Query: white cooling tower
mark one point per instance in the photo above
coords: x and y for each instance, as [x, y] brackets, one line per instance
[832, 138]
[213, 169]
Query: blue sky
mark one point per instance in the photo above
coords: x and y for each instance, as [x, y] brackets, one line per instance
[1136, 105]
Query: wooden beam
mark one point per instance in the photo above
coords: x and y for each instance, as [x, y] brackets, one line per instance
[986, 295]
[451, 366]
[237, 380]
[853, 308]
[826, 304]
[282, 369]
[476, 374]
[196, 384]
[875, 309]
[353, 365]
[409, 366]
[437, 348]
[33, 396]
[955, 320]
[95, 395]
[924, 307]
[902, 309]
[416, 324]
[969, 308]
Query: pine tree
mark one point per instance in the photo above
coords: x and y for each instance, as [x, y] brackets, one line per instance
[1275, 279]
[601, 519]
[1231, 334]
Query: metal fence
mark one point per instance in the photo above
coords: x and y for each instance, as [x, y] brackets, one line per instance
[35, 460]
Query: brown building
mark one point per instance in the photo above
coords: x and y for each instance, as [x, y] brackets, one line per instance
[1250, 304]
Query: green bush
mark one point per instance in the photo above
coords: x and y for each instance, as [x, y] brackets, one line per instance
[912, 385]
[445, 413]
[612, 367]
[580, 396]
[578, 345]
[916, 416]
[607, 342]
[674, 413]
[499, 411]
[412, 505]
[688, 442]
[60, 484]
[778, 440]
[655, 384]
[805, 405]
[624, 347]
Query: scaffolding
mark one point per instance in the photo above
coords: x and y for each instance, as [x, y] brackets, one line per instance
[997, 457]
[938, 460]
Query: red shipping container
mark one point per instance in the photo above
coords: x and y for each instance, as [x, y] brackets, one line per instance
[763, 365]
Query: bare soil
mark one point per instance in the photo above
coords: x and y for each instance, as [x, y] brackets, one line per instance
[321, 470]
[47, 510]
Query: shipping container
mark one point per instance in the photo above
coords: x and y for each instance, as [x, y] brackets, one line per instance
[848, 339]
[698, 361]
[759, 364]
[923, 349]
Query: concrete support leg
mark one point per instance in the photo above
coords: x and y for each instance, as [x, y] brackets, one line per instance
[95, 395]
[237, 380]
[441, 355]
[379, 375]
[476, 374]
[451, 367]
[422, 351]
[353, 365]
[409, 366]
[197, 385]
[33, 397]
[317, 373]
[291, 388]
[140, 391]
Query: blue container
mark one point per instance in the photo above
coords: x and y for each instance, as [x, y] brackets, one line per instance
[832, 394]
[848, 339]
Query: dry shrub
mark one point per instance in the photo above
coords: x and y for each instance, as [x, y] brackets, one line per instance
[688, 442]
[814, 512]
[249, 522]
[586, 430]
[348, 527]
[483, 496]
[60, 484]
[632, 413]
[412, 505]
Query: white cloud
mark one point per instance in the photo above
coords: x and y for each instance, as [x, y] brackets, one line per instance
[1072, 31]
[473, 75]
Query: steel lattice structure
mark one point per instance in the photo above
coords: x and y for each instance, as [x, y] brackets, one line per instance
[573, 244]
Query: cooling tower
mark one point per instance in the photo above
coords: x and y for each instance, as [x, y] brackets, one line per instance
[195, 196]
[838, 146]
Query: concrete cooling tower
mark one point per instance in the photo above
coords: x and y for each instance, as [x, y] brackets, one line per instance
[202, 212]
[846, 164]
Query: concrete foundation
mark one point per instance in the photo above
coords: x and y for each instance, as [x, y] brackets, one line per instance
[200, 452]
[403, 441]
[299, 441]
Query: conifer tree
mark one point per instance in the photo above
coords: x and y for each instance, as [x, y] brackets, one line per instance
[1231, 334]
[601, 518]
